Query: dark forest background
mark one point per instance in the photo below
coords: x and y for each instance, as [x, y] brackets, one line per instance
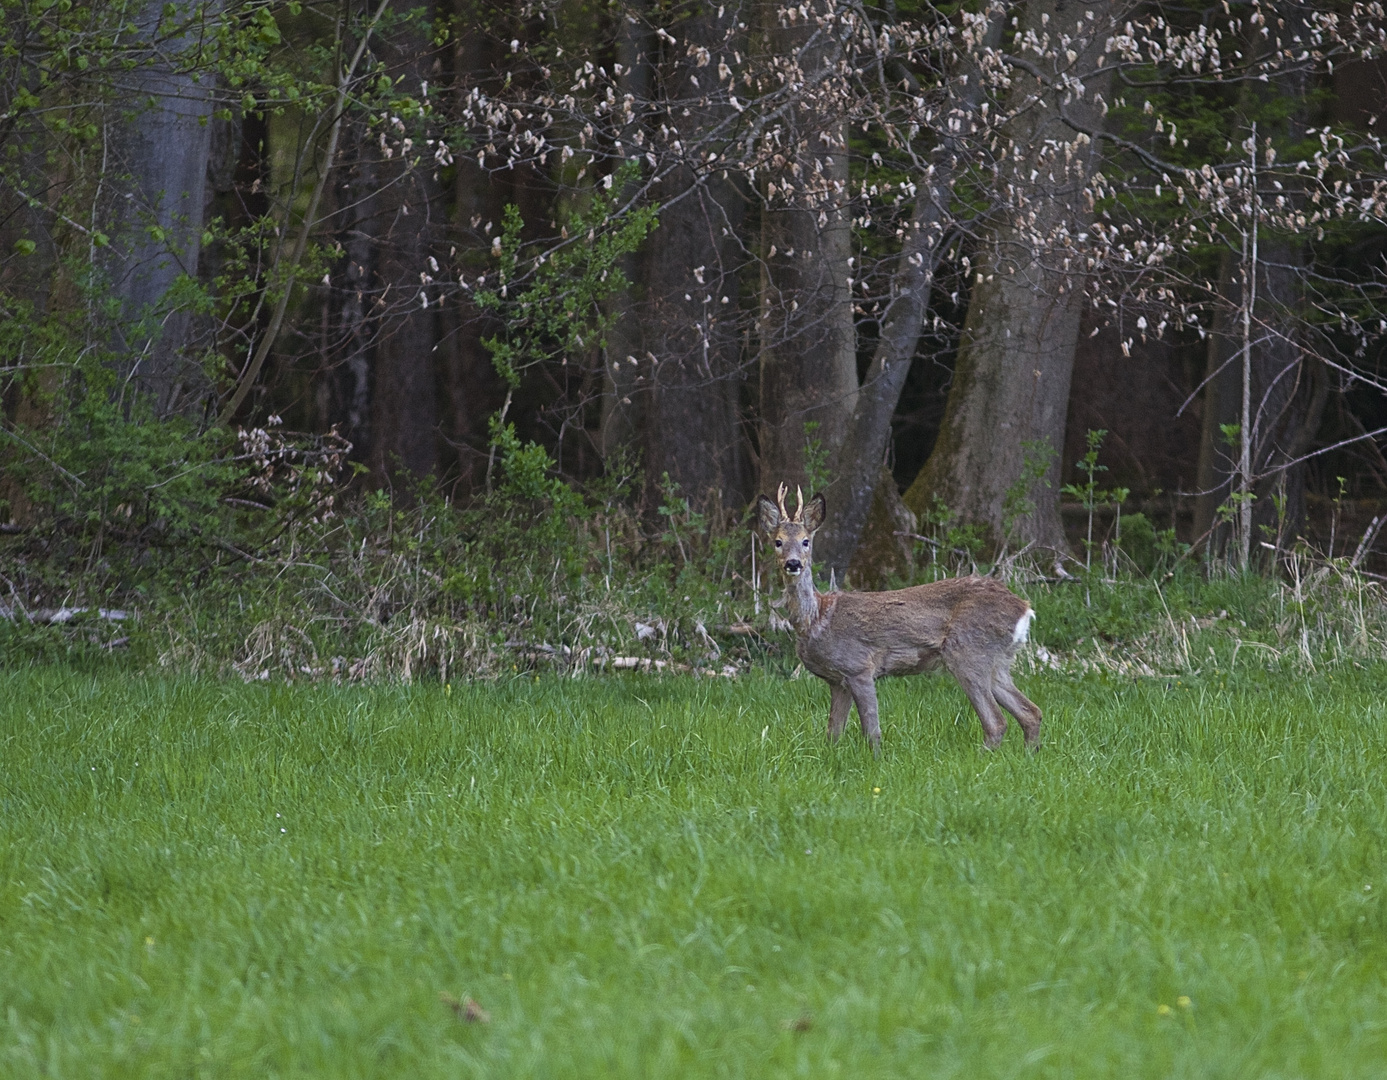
[261, 262]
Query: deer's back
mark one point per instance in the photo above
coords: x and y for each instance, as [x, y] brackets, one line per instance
[906, 630]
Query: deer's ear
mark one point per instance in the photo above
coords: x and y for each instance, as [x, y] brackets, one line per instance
[815, 513]
[767, 514]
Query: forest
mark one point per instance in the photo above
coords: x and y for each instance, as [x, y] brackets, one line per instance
[554, 285]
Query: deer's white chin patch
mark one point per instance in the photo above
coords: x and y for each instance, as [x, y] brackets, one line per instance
[791, 573]
[1023, 627]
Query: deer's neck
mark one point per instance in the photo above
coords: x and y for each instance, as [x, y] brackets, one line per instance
[803, 602]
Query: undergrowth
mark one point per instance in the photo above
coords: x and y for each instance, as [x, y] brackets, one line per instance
[297, 582]
[291, 579]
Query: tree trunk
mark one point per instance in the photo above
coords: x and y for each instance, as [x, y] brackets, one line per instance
[677, 403]
[238, 175]
[624, 366]
[854, 488]
[404, 404]
[692, 429]
[1007, 407]
[471, 389]
[155, 178]
[410, 228]
[349, 332]
[808, 354]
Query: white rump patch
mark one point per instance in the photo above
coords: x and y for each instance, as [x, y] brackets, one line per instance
[1023, 627]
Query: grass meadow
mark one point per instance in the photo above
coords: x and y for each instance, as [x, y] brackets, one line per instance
[663, 876]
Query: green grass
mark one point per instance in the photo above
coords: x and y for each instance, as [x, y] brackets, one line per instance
[646, 877]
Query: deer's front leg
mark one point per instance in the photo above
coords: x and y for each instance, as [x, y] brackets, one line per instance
[839, 704]
[864, 693]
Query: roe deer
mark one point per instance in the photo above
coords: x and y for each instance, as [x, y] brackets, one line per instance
[971, 625]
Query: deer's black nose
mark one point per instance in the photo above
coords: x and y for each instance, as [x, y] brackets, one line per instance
[792, 565]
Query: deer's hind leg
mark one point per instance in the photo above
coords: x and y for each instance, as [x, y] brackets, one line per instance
[1018, 704]
[840, 703]
[978, 686]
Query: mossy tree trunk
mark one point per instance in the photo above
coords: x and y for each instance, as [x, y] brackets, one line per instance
[1010, 392]
[1010, 398]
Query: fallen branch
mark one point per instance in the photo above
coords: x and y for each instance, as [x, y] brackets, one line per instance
[62, 615]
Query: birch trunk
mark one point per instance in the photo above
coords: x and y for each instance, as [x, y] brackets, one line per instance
[156, 145]
[1287, 390]
[1288, 395]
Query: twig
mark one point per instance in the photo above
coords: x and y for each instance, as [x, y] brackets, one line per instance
[35, 450]
[1365, 545]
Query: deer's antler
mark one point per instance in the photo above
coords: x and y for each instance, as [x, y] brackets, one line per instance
[780, 499]
[799, 510]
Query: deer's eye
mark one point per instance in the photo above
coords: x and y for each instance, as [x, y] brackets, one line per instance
[777, 543]
[804, 543]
